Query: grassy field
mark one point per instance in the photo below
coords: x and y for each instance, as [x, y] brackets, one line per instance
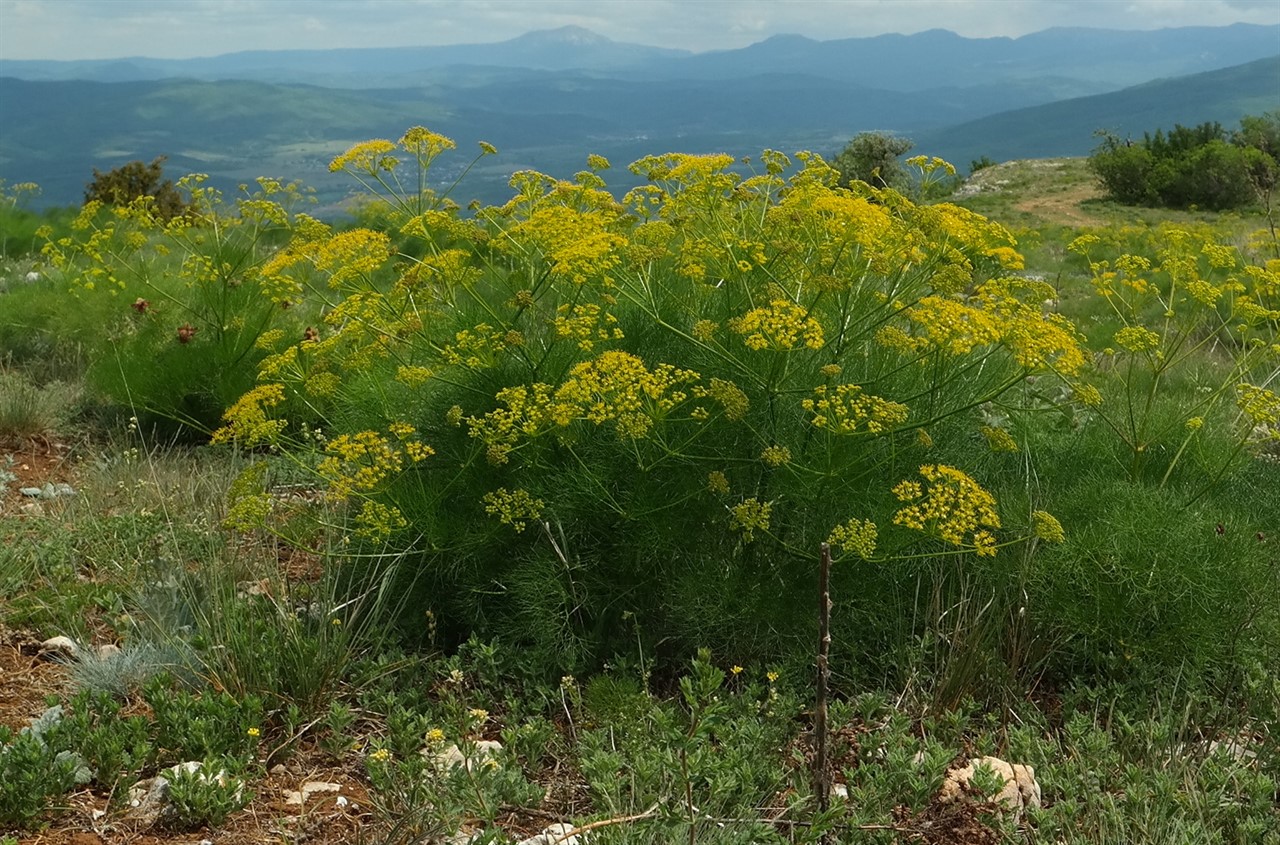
[402, 662]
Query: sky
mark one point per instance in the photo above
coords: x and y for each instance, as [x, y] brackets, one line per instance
[103, 29]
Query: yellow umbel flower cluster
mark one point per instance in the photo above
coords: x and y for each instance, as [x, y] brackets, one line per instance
[782, 326]
[614, 387]
[776, 456]
[1045, 526]
[617, 387]
[583, 324]
[577, 245]
[377, 521]
[952, 326]
[849, 410]
[1260, 405]
[952, 506]
[1137, 339]
[750, 516]
[857, 536]
[512, 507]
[360, 462]
[246, 421]
[367, 157]
[999, 440]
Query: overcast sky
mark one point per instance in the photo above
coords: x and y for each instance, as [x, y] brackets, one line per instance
[86, 29]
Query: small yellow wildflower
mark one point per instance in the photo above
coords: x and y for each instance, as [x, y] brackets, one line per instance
[736, 669]
[382, 755]
[953, 507]
[253, 732]
[771, 676]
[847, 410]
[435, 735]
[1260, 405]
[478, 714]
[718, 483]
[1137, 339]
[366, 157]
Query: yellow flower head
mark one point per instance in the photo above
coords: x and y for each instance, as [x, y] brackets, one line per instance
[367, 157]
[952, 507]
[776, 456]
[857, 536]
[782, 326]
[750, 516]
[1045, 526]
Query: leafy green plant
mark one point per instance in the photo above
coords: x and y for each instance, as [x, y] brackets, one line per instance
[198, 725]
[115, 748]
[205, 795]
[35, 768]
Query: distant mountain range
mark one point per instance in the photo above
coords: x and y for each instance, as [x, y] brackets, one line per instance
[1081, 61]
[547, 99]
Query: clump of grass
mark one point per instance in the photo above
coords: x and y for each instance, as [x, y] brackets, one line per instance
[124, 672]
[28, 411]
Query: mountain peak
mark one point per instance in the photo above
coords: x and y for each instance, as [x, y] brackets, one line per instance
[576, 36]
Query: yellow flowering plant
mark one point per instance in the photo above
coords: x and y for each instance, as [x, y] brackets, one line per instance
[1195, 326]
[608, 396]
[177, 315]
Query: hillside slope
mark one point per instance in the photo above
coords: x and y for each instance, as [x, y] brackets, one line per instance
[1067, 128]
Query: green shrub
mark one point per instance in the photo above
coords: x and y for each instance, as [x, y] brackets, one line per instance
[185, 308]
[1190, 167]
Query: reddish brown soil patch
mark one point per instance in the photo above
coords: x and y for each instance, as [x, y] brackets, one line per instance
[1063, 207]
[35, 462]
[25, 678]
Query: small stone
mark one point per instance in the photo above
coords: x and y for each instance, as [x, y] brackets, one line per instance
[278, 770]
[32, 276]
[62, 645]
[149, 798]
[1020, 792]
[311, 787]
[106, 651]
[452, 757]
[30, 492]
[840, 790]
[557, 834]
[32, 509]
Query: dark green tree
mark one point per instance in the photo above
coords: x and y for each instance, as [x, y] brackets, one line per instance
[128, 182]
[872, 157]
